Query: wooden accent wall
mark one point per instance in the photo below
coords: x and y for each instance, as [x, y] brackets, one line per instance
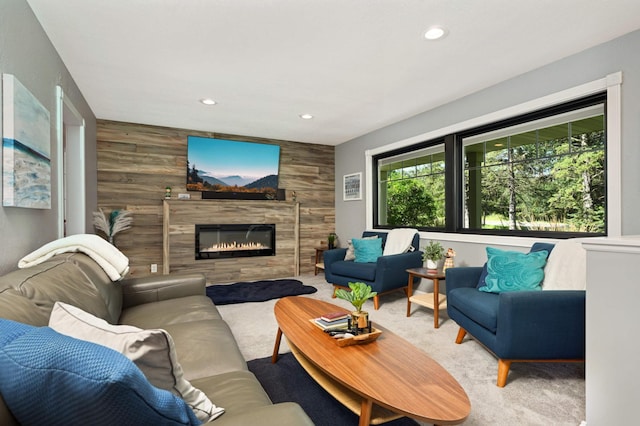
[136, 162]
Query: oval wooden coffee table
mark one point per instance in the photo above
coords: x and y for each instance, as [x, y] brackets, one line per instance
[379, 381]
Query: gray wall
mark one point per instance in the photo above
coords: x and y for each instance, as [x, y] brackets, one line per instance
[596, 63]
[27, 53]
[618, 55]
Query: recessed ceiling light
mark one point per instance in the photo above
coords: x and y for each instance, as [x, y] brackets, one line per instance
[435, 33]
[208, 101]
[306, 116]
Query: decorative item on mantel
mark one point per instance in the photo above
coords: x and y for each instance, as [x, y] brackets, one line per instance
[167, 193]
[448, 259]
[119, 220]
[360, 292]
[432, 253]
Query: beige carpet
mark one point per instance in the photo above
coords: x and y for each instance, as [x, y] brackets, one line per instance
[536, 393]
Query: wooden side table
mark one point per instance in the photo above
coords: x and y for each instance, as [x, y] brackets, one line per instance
[434, 300]
[319, 265]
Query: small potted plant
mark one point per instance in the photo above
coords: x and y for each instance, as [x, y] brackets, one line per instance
[331, 239]
[432, 253]
[359, 294]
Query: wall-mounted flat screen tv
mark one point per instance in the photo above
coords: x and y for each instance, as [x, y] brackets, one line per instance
[225, 168]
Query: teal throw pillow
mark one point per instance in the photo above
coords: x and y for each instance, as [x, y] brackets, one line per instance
[513, 270]
[367, 250]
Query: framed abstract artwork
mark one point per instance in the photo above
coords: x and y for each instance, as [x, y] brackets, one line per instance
[352, 187]
[26, 148]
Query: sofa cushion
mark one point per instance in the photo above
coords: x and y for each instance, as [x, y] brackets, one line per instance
[152, 351]
[17, 307]
[367, 250]
[172, 311]
[362, 271]
[61, 279]
[206, 348]
[239, 391]
[483, 276]
[86, 383]
[513, 270]
[479, 306]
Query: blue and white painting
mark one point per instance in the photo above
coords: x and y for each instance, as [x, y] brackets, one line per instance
[26, 148]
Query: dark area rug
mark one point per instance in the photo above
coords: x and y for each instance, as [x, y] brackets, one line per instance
[257, 291]
[286, 380]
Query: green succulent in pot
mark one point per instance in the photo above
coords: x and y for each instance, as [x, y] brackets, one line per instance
[331, 239]
[432, 253]
[359, 294]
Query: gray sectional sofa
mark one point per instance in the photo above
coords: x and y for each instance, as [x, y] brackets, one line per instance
[206, 348]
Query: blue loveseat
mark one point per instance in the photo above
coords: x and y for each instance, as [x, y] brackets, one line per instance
[518, 326]
[387, 274]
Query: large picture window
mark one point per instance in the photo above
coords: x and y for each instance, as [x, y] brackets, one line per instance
[411, 188]
[539, 173]
[542, 175]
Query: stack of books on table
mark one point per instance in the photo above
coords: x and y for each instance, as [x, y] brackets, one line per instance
[332, 320]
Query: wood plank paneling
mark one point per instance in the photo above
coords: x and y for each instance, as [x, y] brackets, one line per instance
[180, 218]
[136, 162]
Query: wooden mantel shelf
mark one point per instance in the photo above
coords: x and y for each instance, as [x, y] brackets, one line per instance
[178, 238]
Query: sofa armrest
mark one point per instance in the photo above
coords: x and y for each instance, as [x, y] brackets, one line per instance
[391, 270]
[136, 291]
[329, 257]
[541, 324]
[462, 277]
[333, 255]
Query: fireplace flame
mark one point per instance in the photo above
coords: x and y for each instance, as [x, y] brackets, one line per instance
[234, 246]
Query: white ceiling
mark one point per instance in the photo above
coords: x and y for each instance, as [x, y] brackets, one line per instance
[356, 65]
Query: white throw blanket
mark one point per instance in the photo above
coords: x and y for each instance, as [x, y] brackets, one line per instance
[399, 241]
[566, 267]
[114, 263]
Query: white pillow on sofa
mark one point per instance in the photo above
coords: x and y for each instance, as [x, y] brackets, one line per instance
[152, 351]
[566, 267]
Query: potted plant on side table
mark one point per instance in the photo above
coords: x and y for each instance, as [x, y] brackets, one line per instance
[359, 294]
[432, 253]
[331, 239]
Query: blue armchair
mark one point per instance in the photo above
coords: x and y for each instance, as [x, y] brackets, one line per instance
[387, 274]
[517, 326]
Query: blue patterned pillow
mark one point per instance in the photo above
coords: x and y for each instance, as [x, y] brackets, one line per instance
[367, 250]
[535, 247]
[49, 376]
[513, 270]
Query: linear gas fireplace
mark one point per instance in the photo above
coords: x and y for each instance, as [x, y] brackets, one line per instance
[226, 240]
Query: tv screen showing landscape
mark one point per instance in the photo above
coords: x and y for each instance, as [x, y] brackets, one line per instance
[220, 165]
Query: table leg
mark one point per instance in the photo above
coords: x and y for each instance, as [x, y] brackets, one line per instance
[436, 303]
[409, 294]
[365, 412]
[276, 347]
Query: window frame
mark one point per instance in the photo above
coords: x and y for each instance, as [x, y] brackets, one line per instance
[555, 110]
[394, 153]
[611, 85]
